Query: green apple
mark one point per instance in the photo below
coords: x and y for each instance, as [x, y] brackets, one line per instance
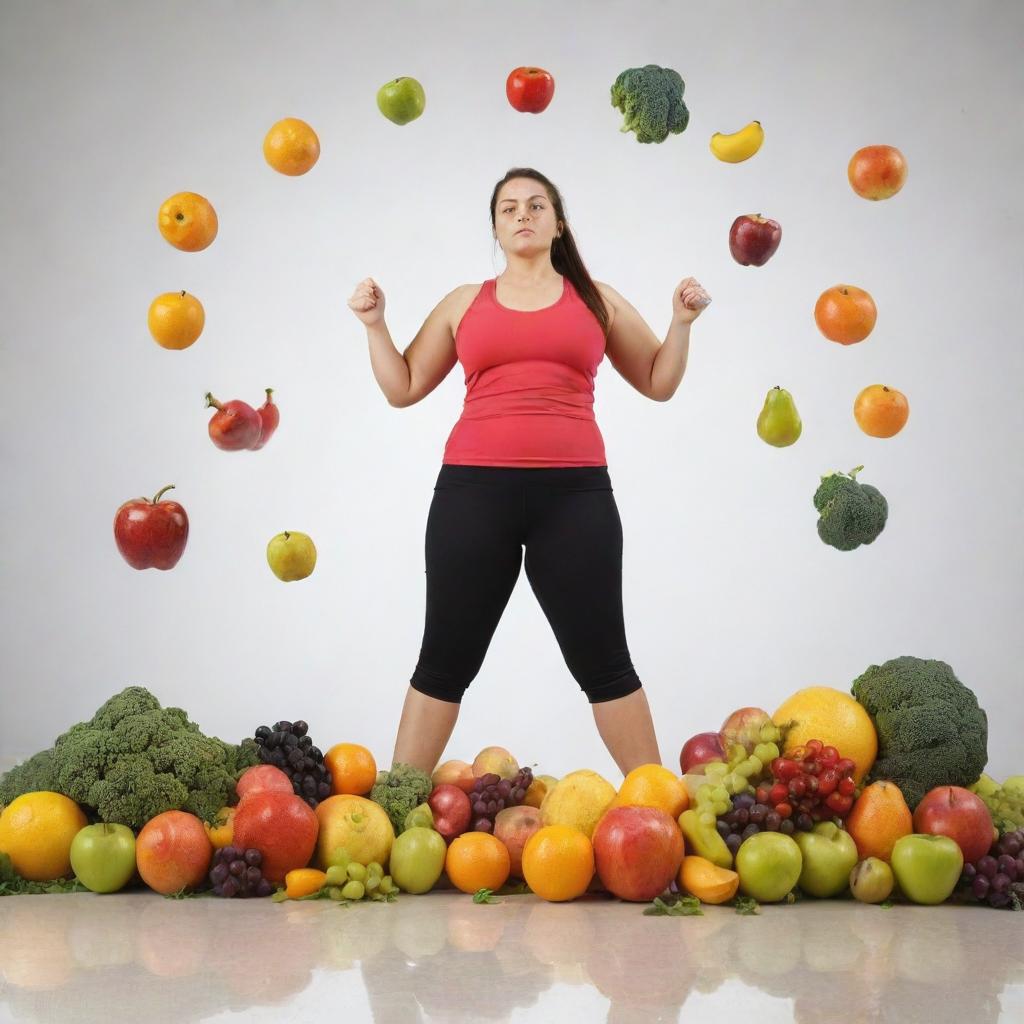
[291, 555]
[103, 856]
[871, 880]
[417, 859]
[829, 856]
[769, 865]
[927, 867]
[401, 100]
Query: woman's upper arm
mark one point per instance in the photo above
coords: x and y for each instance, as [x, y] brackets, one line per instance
[631, 345]
[431, 354]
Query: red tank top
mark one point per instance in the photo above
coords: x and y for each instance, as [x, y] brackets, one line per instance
[529, 384]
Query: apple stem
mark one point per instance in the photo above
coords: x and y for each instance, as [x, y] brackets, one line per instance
[286, 536]
[269, 392]
[210, 400]
[183, 293]
[160, 493]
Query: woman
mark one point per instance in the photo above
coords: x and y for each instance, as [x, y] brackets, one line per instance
[525, 465]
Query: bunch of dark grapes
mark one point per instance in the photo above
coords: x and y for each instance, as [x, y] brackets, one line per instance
[748, 817]
[287, 747]
[998, 878]
[491, 794]
[238, 873]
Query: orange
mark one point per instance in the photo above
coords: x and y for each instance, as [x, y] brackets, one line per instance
[291, 146]
[834, 717]
[845, 313]
[356, 825]
[878, 818]
[176, 319]
[653, 785]
[36, 830]
[558, 863]
[477, 860]
[352, 767]
[222, 831]
[881, 411]
[877, 172]
[188, 221]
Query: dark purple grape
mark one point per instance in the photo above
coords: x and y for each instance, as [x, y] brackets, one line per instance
[741, 816]
[316, 753]
[283, 726]
[264, 888]
[229, 887]
[998, 899]
[296, 757]
[230, 853]
[1012, 844]
[733, 842]
[490, 779]
[262, 732]
[219, 873]
[1008, 866]
[323, 790]
[478, 785]
[786, 827]
[273, 740]
[1020, 866]
[480, 810]
[308, 765]
[979, 887]
[300, 728]
[517, 795]
[804, 822]
[289, 741]
[253, 876]
[309, 786]
[253, 858]
[757, 813]
[987, 866]
[724, 828]
[237, 867]
[751, 830]
[305, 742]
[772, 820]
[744, 800]
[483, 825]
[969, 872]
[504, 788]
[1001, 883]
[278, 758]
[217, 891]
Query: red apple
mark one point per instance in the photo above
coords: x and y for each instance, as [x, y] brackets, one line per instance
[637, 851]
[744, 726]
[960, 814]
[753, 239]
[235, 425]
[699, 749]
[877, 172]
[529, 90]
[270, 416]
[282, 826]
[452, 810]
[151, 534]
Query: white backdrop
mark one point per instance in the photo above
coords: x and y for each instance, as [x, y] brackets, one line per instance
[730, 597]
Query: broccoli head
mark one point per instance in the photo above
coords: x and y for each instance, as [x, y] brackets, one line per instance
[133, 760]
[651, 102]
[931, 731]
[400, 790]
[851, 513]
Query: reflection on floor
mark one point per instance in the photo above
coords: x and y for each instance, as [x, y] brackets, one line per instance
[440, 957]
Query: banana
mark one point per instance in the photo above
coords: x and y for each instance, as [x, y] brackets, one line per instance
[738, 146]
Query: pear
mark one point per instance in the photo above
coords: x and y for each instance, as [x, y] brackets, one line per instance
[779, 423]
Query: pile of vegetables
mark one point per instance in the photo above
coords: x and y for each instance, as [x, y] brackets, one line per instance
[133, 760]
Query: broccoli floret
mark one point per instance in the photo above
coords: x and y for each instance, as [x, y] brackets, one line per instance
[651, 102]
[931, 731]
[31, 776]
[400, 790]
[851, 513]
[134, 760]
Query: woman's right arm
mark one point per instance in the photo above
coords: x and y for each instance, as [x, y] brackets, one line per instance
[406, 378]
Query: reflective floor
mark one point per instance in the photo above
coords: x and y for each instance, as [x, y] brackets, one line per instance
[440, 957]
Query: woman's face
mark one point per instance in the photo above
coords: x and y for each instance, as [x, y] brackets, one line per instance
[524, 216]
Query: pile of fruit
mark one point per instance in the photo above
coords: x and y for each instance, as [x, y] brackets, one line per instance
[769, 806]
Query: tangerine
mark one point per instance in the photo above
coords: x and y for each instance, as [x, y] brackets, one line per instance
[653, 785]
[558, 862]
[36, 830]
[881, 411]
[176, 319]
[477, 860]
[291, 146]
[352, 767]
[188, 221]
[845, 314]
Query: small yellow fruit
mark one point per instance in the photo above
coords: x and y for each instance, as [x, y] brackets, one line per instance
[291, 555]
[176, 319]
[36, 830]
[738, 146]
[291, 146]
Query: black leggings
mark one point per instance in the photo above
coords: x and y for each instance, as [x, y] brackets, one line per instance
[480, 519]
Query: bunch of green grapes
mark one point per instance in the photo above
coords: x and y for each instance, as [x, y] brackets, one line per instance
[1005, 802]
[743, 771]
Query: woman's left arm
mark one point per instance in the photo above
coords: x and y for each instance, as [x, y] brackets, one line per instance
[654, 368]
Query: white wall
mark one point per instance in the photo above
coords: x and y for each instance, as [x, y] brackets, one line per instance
[730, 598]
